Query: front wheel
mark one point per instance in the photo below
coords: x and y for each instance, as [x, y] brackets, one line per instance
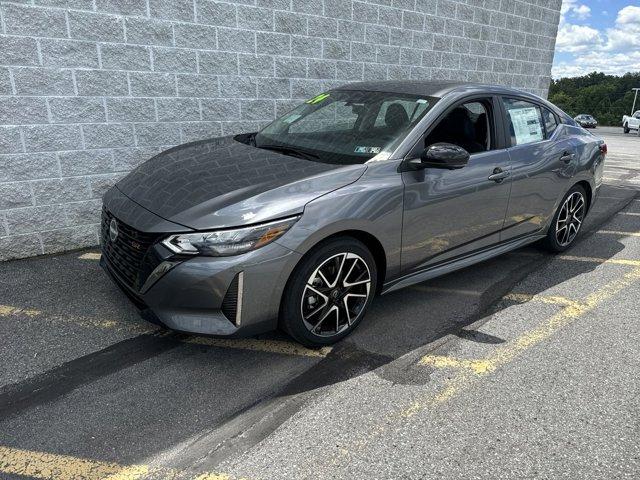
[329, 292]
[567, 221]
[625, 128]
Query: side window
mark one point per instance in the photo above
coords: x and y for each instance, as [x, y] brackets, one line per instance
[637, 115]
[524, 120]
[468, 126]
[550, 122]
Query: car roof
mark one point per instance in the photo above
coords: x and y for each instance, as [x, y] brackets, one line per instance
[429, 88]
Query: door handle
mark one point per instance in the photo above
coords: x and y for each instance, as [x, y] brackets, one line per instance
[499, 174]
[567, 157]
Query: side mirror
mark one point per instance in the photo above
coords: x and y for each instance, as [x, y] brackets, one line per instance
[444, 155]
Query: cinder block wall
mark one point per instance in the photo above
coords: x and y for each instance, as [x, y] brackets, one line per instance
[90, 88]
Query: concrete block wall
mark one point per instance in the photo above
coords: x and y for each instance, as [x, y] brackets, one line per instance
[90, 88]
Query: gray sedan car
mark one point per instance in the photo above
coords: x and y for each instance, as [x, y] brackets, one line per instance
[360, 190]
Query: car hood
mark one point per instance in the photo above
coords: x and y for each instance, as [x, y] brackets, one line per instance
[221, 182]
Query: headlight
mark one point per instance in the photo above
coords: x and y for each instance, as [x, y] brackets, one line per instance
[222, 243]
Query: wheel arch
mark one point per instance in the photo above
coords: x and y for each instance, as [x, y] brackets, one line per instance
[375, 247]
[588, 189]
[367, 238]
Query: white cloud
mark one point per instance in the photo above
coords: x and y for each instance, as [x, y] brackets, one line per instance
[582, 12]
[614, 51]
[629, 15]
[575, 9]
[572, 37]
[626, 33]
[598, 61]
[576, 38]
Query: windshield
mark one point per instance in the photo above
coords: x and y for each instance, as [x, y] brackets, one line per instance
[345, 126]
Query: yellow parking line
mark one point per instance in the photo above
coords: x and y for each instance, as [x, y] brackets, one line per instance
[272, 346]
[8, 310]
[613, 261]
[576, 258]
[49, 466]
[503, 355]
[90, 256]
[612, 232]
[212, 476]
[515, 297]
[470, 371]
[442, 361]
[282, 347]
[459, 291]
[548, 299]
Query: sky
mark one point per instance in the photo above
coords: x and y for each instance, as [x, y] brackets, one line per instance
[598, 35]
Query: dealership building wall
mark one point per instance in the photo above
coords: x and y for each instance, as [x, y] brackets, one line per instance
[90, 88]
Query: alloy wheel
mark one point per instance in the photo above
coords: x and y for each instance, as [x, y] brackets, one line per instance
[336, 294]
[570, 219]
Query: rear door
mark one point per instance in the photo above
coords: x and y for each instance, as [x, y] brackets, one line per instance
[449, 213]
[542, 163]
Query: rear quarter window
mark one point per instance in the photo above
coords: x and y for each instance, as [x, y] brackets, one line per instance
[550, 122]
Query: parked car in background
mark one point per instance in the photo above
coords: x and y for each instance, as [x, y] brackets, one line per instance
[631, 122]
[363, 189]
[586, 121]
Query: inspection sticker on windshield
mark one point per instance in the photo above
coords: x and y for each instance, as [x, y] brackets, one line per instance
[374, 150]
[317, 99]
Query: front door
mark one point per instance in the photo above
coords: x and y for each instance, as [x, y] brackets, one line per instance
[450, 213]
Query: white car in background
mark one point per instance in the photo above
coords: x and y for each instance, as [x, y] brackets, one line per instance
[631, 122]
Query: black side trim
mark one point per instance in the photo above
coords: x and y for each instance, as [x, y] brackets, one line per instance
[230, 301]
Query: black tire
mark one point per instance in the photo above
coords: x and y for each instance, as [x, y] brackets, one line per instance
[625, 128]
[552, 242]
[296, 298]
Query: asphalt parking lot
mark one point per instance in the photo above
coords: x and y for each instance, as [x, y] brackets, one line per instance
[525, 366]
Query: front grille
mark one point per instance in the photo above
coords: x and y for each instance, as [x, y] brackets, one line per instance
[125, 256]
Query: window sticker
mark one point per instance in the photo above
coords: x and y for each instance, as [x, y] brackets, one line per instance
[526, 125]
[422, 100]
[374, 150]
[317, 99]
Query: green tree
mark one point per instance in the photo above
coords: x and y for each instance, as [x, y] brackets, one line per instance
[606, 97]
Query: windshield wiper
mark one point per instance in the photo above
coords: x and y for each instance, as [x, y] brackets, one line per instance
[292, 151]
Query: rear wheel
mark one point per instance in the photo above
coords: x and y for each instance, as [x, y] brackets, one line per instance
[567, 221]
[329, 292]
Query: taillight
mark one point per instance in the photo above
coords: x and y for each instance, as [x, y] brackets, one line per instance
[603, 149]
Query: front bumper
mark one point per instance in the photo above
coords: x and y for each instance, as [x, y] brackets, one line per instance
[190, 296]
[228, 296]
